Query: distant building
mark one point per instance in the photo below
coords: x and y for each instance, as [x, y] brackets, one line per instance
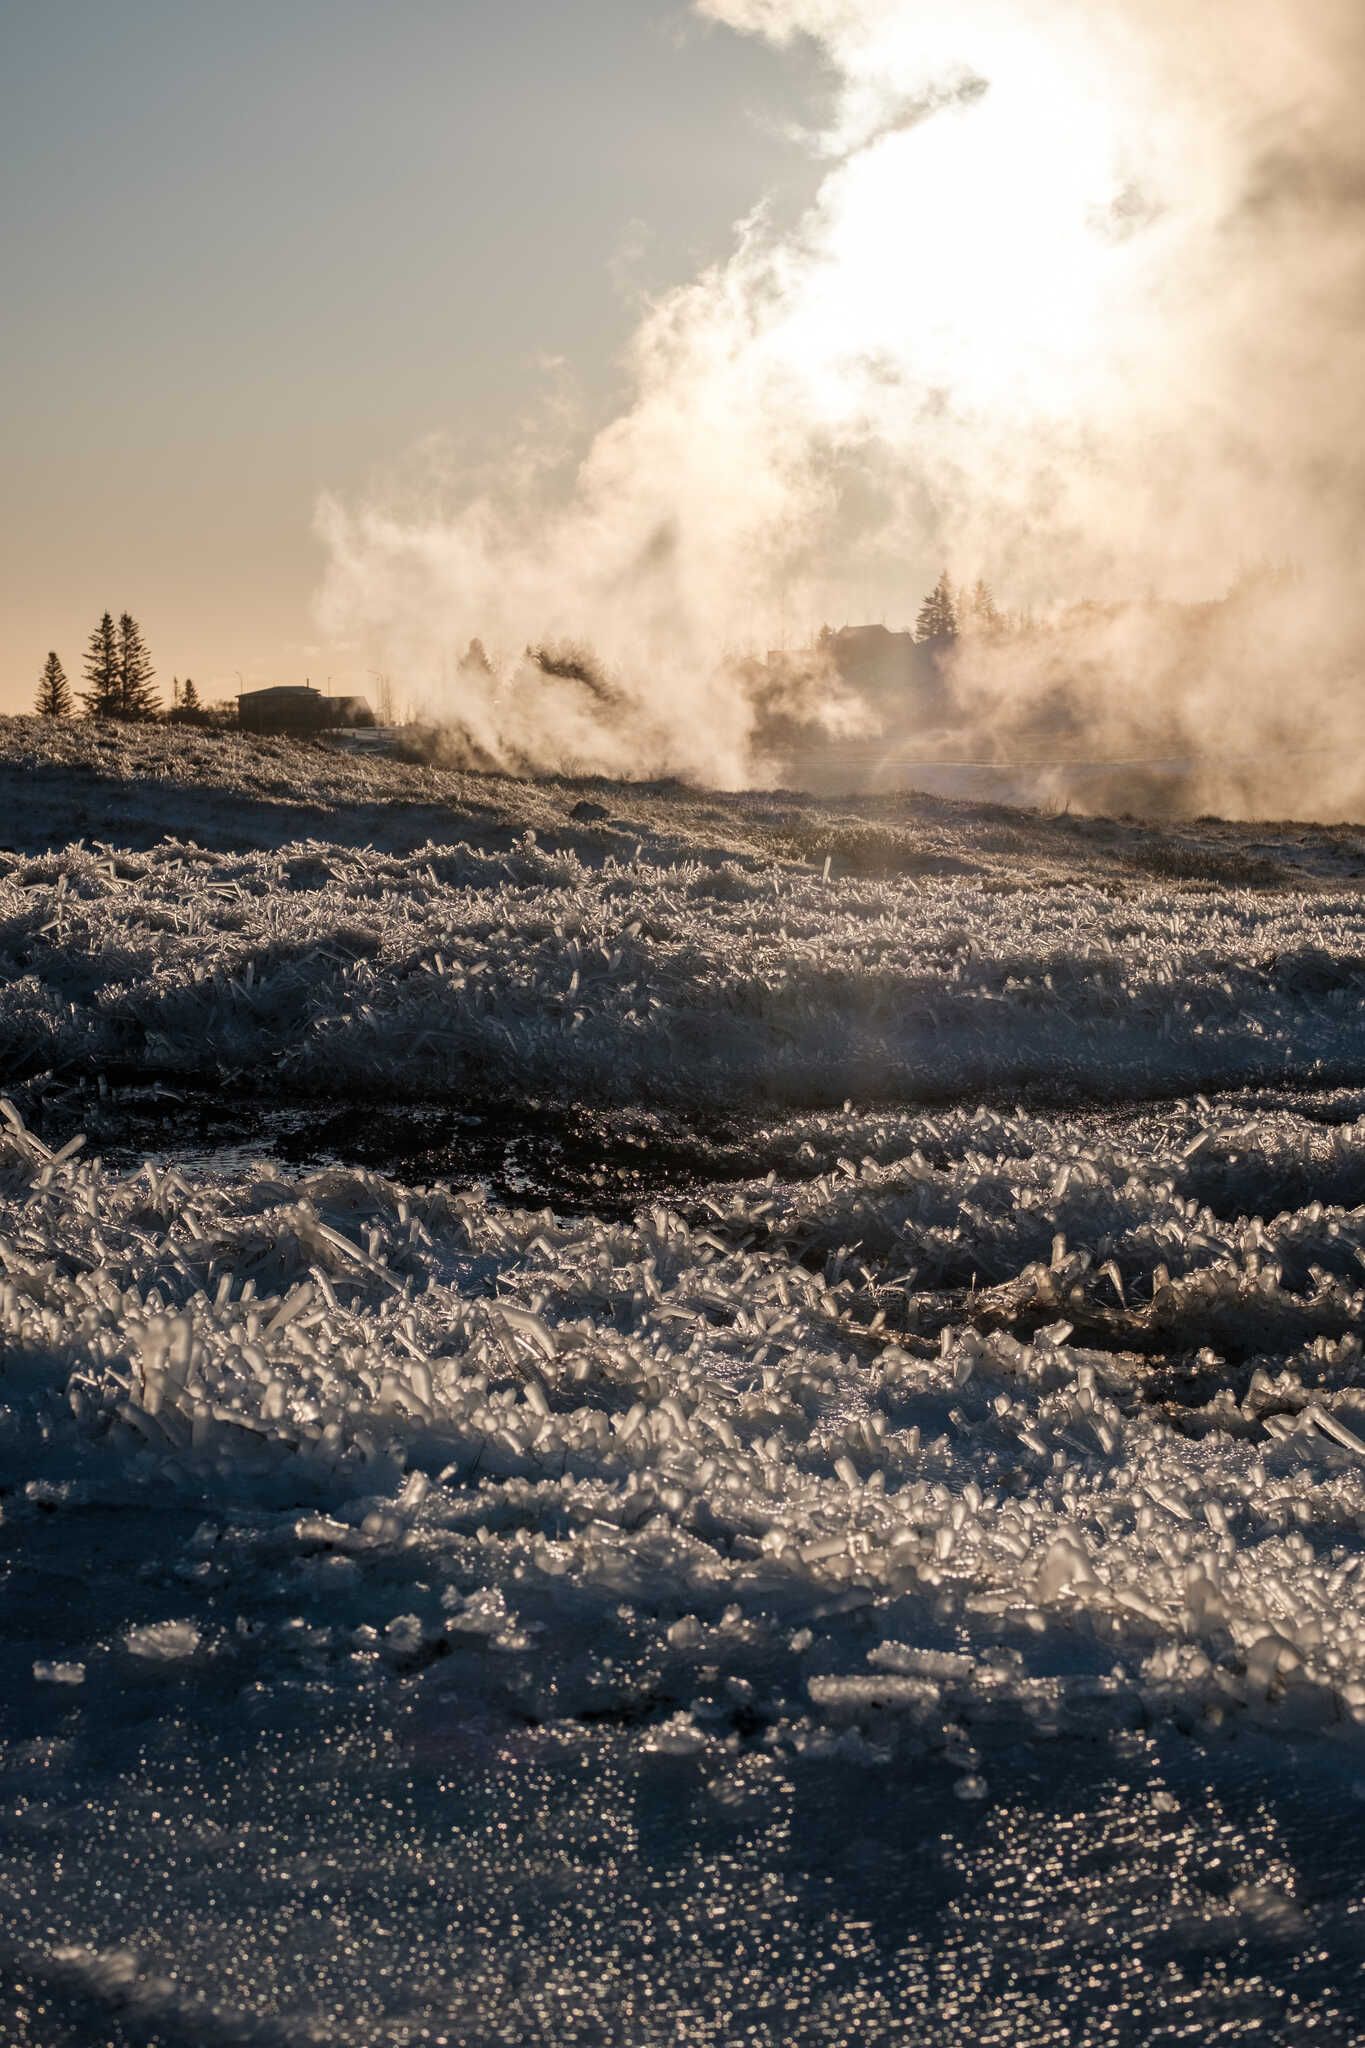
[893, 672]
[894, 669]
[299, 708]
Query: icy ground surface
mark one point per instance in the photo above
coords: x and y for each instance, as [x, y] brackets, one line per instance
[405, 934]
[648, 1443]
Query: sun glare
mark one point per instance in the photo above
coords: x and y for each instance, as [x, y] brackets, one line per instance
[977, 248]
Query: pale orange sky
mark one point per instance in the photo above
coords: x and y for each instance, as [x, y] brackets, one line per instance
[258, 252]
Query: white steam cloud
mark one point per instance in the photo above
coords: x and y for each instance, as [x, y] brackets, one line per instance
[1079, 306]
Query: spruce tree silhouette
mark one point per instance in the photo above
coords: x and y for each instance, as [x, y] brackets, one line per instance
[102, 671]
[938, 614]
[136, 697]
[54, 691]
[983, 614]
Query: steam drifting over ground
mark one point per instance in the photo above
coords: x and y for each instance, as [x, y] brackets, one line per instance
[1078, 306]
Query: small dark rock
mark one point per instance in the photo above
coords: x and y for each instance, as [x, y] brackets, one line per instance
[587, 812]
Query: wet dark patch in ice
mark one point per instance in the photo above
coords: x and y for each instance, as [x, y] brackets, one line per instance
[629, 1713]
[578, 1158]
[528, 1154]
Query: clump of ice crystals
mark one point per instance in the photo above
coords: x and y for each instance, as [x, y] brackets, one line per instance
[389, 1559]
[684, 1470]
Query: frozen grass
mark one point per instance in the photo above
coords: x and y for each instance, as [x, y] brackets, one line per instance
[135, 785]
[641, 958]
[347, 1523]
[1009, 1421]
[952, 1454]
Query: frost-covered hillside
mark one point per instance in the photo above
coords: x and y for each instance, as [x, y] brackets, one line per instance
[901, 1577]
[394, 931]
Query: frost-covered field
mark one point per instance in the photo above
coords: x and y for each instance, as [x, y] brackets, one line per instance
[901, 1580]
[415, 934]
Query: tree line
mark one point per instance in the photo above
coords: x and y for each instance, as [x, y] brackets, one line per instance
[118, 674]
[947, 612]
[953, 611]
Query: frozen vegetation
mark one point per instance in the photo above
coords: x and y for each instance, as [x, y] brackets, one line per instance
[399, 932]
[902, 1580]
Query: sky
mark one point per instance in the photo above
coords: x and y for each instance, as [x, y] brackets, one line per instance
[661, 331]
[258, 252]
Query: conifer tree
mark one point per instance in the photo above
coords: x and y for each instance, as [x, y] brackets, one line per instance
[938, 614]
[986, 613]
[102, 671]
[137, 699]
[54, 691]
[189, 696]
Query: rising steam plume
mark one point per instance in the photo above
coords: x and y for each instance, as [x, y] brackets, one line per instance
[1079, 306]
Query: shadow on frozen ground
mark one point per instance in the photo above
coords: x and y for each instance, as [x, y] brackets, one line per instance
[254, 1881]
